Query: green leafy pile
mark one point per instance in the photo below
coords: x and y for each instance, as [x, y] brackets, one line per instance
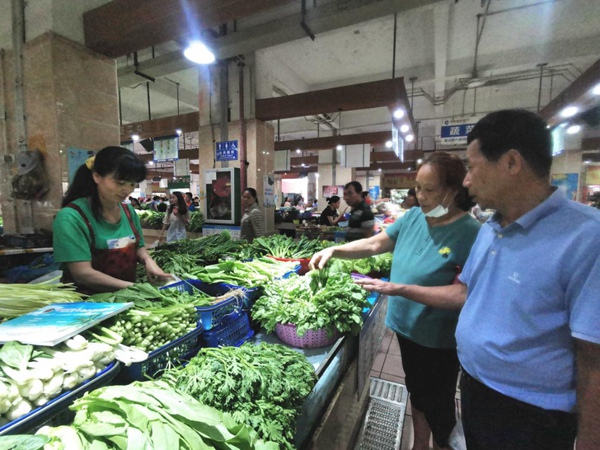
[196, 221]
[144, 295]
[255, 273]
[380, 265]
[262, 386]
[151, 219]
[150, 415]
[282, 246]
[316, 301]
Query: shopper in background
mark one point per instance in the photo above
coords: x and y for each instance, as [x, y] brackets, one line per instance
[330, 215]
[252, 221]
[362, 221]
[189, 202]
[177, 218]
[410, 200]
[135, 203]
[97, 239]
[428, 244]
[154, 203]
[528, 336]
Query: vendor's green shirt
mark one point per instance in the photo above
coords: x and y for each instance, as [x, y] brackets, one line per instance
[72, 241]
[427, 256]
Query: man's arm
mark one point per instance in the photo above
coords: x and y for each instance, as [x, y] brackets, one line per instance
[452, 296]
[588, 395]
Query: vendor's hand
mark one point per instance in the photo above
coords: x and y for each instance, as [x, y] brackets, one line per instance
[156, 275]
[376, 285]
[319, 259]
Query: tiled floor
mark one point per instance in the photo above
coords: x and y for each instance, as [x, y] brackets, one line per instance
[388, 366]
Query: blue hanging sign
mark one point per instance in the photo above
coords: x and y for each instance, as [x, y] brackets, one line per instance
[227, 151]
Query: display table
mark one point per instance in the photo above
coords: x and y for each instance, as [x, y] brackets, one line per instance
[331, 415]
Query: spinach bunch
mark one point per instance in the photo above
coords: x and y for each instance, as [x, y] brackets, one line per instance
[282, 246]
[378, 264]
[262, 386]
[150, 415]
[315, 301]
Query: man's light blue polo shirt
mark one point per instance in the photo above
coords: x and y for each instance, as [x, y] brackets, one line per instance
[532, 287]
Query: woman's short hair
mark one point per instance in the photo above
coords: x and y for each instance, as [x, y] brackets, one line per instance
[452, 171]
[332, 199]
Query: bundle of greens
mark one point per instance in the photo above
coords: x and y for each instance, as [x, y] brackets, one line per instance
[255, 273]
[19, 299]
[144, 295]
[32, 376]
[313, 302]
[380, 265]
[147, 329]
[149, 415]
[262, 386]
[150, 219]
[282, 246]
[196, 221]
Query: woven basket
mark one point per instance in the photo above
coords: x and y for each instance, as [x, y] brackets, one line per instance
[311, 339]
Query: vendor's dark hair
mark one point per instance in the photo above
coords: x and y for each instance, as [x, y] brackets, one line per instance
[332, 199]
[253, 193]
[181, 206]
[119, 162]
[452, 171]
[518, 129]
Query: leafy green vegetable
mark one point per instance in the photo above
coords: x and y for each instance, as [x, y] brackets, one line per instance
[282, 246]
[16, 355]
[196, 221]
[315, 301]
[152, 415]
[23, 442]
[263, 386]
[378, 264]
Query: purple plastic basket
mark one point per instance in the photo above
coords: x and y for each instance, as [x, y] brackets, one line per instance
[311, 339]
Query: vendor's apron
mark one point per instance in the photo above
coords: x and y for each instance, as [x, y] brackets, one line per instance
[117, 262]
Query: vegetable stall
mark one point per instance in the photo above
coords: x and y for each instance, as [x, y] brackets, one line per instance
[240, 352]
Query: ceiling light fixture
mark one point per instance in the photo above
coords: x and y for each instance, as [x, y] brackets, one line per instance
[569, 111]
[404, 128]
[178, 131]
[409, 138]
[596, 89]
[574, 129]
[199, 53]
[419, 161]
[298, 150]
[135, 137]
[340, 147]
[399, 113]
[389, 144]
[379, 169]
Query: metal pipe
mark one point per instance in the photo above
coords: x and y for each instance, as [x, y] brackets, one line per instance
[120, 108]
[18, 24]
[242, 146]
[394, 47]
[539, 101]
[148, 96]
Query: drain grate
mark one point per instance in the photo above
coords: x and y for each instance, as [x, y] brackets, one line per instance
[388, 391]
[382, 426]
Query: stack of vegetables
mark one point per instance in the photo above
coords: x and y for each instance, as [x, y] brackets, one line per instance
[256, 273]
[31, 376]
[19, 299]
[157, 318]
[281, 246]
[319, 300]
[151, 219]
[149, 415]
[377, 266]
[184, 256]
[263, 386]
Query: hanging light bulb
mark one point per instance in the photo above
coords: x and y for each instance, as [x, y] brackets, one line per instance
[389, 144]
[404, 128]
[569, 111]
[409, 138]
[399, 113]
[199, 53]
[340, 147]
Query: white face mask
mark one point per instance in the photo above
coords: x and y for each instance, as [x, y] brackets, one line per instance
[439, 210]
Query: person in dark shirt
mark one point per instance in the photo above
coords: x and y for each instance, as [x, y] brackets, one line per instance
[330, 215]
[362, 221]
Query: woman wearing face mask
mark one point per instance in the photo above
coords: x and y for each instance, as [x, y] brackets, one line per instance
[430, 244]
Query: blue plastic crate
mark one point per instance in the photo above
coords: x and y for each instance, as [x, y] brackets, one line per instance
[233, 333]
[56, 412]
[211, 316]
[181, 349]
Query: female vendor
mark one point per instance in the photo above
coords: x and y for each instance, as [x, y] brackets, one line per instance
[97, 238]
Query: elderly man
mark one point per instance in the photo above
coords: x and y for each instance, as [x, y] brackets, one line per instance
[528, 335]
